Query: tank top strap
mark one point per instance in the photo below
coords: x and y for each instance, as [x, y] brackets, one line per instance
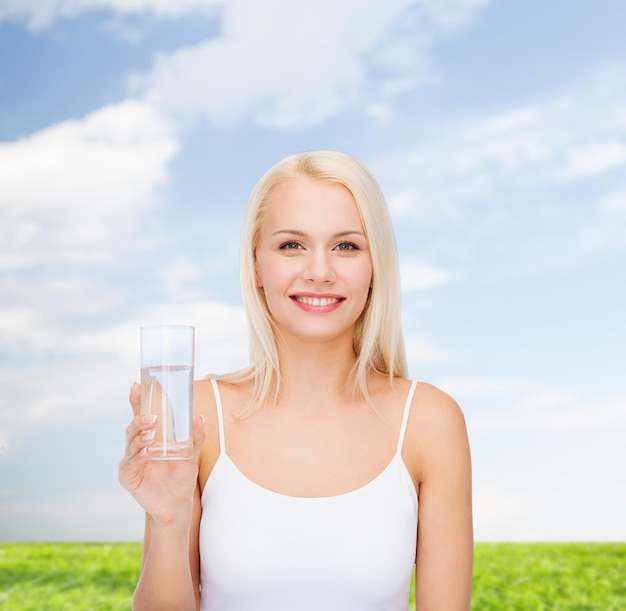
[405, 415]
[220, 415]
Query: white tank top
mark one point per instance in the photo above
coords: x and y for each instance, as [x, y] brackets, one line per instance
[265, 551]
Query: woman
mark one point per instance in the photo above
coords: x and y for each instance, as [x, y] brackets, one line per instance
[311, 466]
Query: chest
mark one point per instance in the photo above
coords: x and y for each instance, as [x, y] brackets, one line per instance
[313, 455]
[264, 550]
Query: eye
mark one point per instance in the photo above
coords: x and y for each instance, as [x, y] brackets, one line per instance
[289, 246]
[347, 246]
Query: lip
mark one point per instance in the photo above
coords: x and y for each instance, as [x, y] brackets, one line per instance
[317, 302]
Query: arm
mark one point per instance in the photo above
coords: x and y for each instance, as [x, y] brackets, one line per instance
[444, 537]
[170, 572]
[169, 493]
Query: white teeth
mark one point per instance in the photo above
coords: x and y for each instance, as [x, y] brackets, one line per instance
[317, 301]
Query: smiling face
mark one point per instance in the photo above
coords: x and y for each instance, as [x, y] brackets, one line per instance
[312, 260]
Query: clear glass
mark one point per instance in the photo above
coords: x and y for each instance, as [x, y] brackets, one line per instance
[167, 373]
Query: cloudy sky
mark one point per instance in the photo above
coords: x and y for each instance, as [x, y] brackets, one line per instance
[131, 133]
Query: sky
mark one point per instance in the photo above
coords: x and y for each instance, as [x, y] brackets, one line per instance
[131, 134]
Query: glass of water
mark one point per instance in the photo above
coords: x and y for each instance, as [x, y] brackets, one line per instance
[167, 362]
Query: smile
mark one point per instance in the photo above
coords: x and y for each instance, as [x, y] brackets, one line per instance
[317, 302]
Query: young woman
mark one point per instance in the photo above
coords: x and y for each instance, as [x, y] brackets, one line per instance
[321, 476]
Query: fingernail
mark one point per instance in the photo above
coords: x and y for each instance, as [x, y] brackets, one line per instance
[202, 418]
[148, 419]
[149, 436]
[143, 451]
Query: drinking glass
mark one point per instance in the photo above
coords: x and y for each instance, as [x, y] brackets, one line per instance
[167, 370]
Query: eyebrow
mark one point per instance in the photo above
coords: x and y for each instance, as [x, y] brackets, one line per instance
[339, 234]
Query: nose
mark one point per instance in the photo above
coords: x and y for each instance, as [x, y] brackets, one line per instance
[320, 268]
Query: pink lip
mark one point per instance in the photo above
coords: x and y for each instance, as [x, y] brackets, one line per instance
[319, 303]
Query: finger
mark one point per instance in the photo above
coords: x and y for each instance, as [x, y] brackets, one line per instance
[135, 397]
[131, 469]
[139, 424]
[139, 445]
[138, 449]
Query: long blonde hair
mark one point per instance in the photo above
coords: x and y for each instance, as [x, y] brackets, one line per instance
[378, 342]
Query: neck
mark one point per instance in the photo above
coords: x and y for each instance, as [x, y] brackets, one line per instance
[313, 372]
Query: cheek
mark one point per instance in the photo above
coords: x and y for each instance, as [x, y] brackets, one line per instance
[367, 276]
[268, 272]
[362, 279]
[260, 270]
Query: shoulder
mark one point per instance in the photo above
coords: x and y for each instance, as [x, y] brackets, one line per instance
[436, 432]
[434, 407]
[204, 396]
[442, 473]
[206, 405]
[227, 390]
[234, 397]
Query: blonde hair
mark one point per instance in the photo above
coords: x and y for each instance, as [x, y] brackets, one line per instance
[378, 342]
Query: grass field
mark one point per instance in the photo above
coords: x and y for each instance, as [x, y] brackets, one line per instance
[533, 577]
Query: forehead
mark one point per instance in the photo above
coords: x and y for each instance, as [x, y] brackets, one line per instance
[310, 202]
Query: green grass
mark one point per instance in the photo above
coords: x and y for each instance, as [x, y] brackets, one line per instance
[510, 577]
[537, 577]
[68, 576]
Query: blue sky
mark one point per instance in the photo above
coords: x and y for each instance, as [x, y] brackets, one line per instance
[132, 131]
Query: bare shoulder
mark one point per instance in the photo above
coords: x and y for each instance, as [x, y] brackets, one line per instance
[204, 398]
[436, 432]
[434, 407]
[234, 397]
[205, 406]
[441, 469]
[231, 394]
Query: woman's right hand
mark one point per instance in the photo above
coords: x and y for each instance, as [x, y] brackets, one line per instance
[164, 488]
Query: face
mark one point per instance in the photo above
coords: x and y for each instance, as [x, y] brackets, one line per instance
[313, 261]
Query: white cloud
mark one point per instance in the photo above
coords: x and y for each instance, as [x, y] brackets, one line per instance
[416, 277]
[527, 408]
[69, 191]
[57, 373]
[39, 14]
[76, 200]
[605, 230]
[567, 139]
[380, 112]
[279, 63]
[556, 413]
[483, 386]
[301, 73]
[420, 350]
[221, 332]
[509, 510]
[532, 188]
[547, 400]
[614, 203]
[449, 15]
[593, 158]
[113, 515]
[314, 66]
[499, 511]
